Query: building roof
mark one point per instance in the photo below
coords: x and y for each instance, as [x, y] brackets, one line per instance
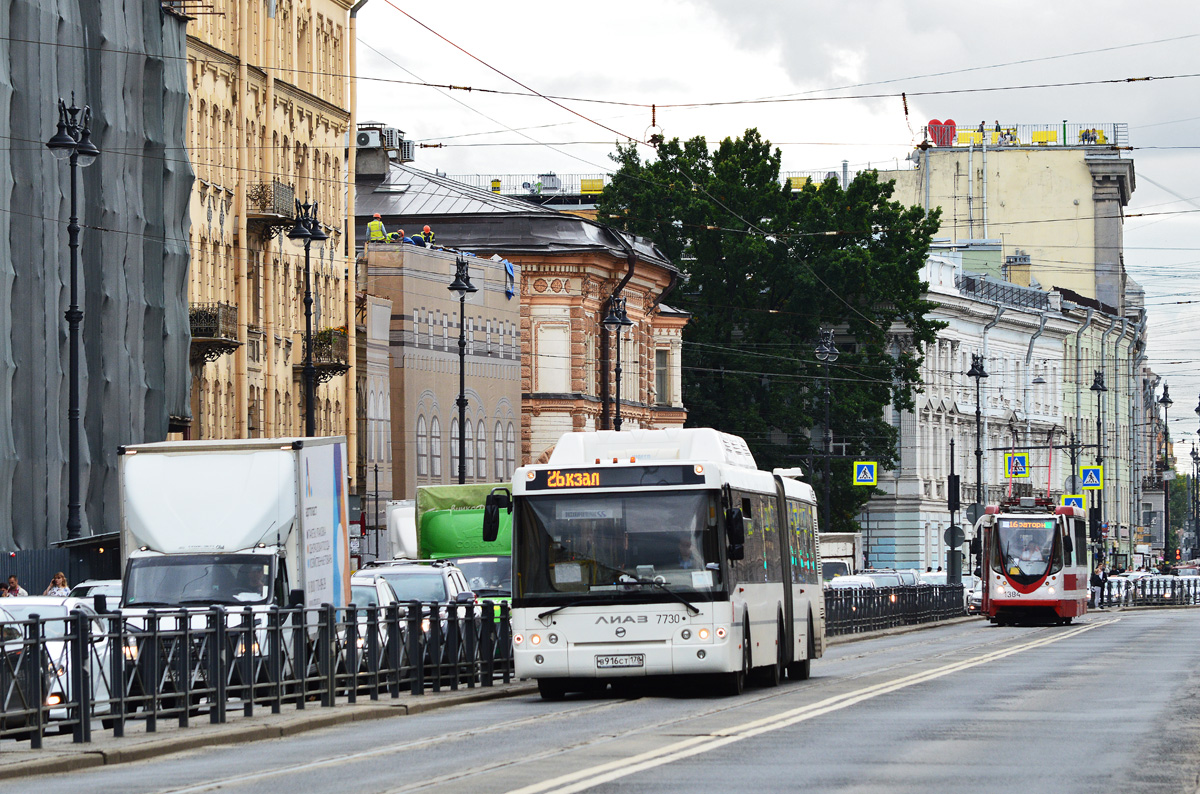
[477, 220]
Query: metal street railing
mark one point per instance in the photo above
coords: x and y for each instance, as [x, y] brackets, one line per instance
[855, 610]
[179, 664]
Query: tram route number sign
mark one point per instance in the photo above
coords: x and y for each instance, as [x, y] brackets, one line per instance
[1091, 478]
[866, 472]
[1016, 464]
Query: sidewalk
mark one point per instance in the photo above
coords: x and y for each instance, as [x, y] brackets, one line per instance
[60, 754]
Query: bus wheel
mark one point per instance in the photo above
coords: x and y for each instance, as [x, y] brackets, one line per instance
[800, 671]
[772, 674]
[734, 683]
[552, 688]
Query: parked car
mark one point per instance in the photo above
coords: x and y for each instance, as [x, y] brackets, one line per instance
[884, 578]
[426, 581]
[58, 657]
[109, 588]
[975, 598]
[909, 576]
[969, 581]
[18, 673]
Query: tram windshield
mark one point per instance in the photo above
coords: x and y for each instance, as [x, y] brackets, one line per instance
[617, 546]
[1025, 548]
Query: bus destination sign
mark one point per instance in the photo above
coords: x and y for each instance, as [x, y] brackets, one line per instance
[614, 477]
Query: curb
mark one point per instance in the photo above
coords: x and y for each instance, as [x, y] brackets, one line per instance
[842, 639]
[87, 757]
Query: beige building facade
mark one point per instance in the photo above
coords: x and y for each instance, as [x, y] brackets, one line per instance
[1060, 206]
[270, 108]
[423, 386]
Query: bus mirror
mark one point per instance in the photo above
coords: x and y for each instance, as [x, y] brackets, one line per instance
[735, 552]
[499, 499]
[735, 527]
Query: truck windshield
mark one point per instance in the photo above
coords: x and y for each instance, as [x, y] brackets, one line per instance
[617, 546]
[488, 576]
[186, 579]
[1025, 549]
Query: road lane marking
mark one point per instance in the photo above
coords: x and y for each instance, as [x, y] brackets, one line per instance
[623, 767]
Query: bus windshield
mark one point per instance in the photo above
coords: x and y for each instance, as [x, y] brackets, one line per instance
[1025, 548]
[617, 546]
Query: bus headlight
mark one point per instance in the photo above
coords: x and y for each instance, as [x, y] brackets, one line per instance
[535, 639]
[130, 650]
[721, 632]
[553, 638]
[703, 633]
[518, 639]
[687, 634]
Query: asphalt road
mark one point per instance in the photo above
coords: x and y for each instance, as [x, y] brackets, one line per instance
[1108, 704]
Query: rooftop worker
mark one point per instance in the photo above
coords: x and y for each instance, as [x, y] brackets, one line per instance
[375, 230]
[427, 235]
[397, 237]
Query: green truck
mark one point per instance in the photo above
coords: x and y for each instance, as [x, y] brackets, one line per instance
[449, 521]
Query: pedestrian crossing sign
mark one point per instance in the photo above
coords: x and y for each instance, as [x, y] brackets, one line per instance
[1092, 477]
[866, 472]
[1016, 464]
[1074, 500]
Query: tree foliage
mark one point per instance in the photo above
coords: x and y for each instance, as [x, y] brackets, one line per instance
[766, 267]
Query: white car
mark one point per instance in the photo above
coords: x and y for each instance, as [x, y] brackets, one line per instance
[58, 647]
[851, 583]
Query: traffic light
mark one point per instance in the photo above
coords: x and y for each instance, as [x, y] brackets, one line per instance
[952, 492]
[1094, 524]
[1178, 554]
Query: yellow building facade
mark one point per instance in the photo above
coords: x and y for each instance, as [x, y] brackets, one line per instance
[271, 102]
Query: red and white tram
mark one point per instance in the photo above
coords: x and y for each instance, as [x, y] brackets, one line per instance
[1035, 562]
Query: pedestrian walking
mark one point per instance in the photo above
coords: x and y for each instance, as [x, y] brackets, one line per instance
[1097, 585]
[58, 586]
[14, 587]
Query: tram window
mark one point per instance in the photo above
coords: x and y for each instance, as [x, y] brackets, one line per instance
[1080, 542]
[1068, 554]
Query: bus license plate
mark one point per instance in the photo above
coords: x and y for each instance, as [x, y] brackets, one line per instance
[621, 660]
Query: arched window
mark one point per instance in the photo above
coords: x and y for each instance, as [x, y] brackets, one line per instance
[481, 451]
[512, 448]
[454, 448]
[468, 447]
[435, 447]
[498, 453]
[422, 448]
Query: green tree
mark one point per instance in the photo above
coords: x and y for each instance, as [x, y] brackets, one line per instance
[767, 267]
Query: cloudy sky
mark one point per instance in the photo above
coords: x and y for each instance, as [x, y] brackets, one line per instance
[673, 52]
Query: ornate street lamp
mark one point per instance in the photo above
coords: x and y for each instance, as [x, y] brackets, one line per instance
[978, 373]
[1166, 402]
[462, 286]
[73, 142]
[307, 230]
[616, 321]
[827, 353]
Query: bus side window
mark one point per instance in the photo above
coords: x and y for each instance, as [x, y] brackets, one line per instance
[772, 554]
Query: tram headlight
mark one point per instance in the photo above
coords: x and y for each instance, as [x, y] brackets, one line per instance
[1050, 590]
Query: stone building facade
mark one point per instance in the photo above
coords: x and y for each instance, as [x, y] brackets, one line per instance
[569, 268]
[270, 108]
[423, 387]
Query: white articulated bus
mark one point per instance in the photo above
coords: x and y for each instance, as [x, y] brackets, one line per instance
[661, 552]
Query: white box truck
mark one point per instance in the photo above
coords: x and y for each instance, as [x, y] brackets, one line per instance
[237, 523]
[841, 554]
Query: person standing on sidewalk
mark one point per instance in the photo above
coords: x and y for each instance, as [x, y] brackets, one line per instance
[1097, 584]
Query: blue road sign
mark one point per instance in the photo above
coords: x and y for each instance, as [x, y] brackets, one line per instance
[1016, 464]
[1074, 500]
[866, 472]
[1092, 477]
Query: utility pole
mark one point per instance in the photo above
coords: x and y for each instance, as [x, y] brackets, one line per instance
[954, 563]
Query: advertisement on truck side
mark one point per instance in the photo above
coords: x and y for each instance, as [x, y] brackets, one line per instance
[324, 525]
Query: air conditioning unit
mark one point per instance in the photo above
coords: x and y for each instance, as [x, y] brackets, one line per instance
[408, 151]
[392, 137]
[368, 139]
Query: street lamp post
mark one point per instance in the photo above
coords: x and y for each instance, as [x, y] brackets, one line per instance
[1166, 402]
[827, 353]
[73, 142]
[1195, 495]
[978, 373]
[1099, 388]
[617, 321]
[307, 230]
[463, 286]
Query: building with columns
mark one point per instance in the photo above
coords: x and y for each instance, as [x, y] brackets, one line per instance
[270, 108]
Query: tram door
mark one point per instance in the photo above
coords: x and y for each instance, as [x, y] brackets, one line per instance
[983, 531]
